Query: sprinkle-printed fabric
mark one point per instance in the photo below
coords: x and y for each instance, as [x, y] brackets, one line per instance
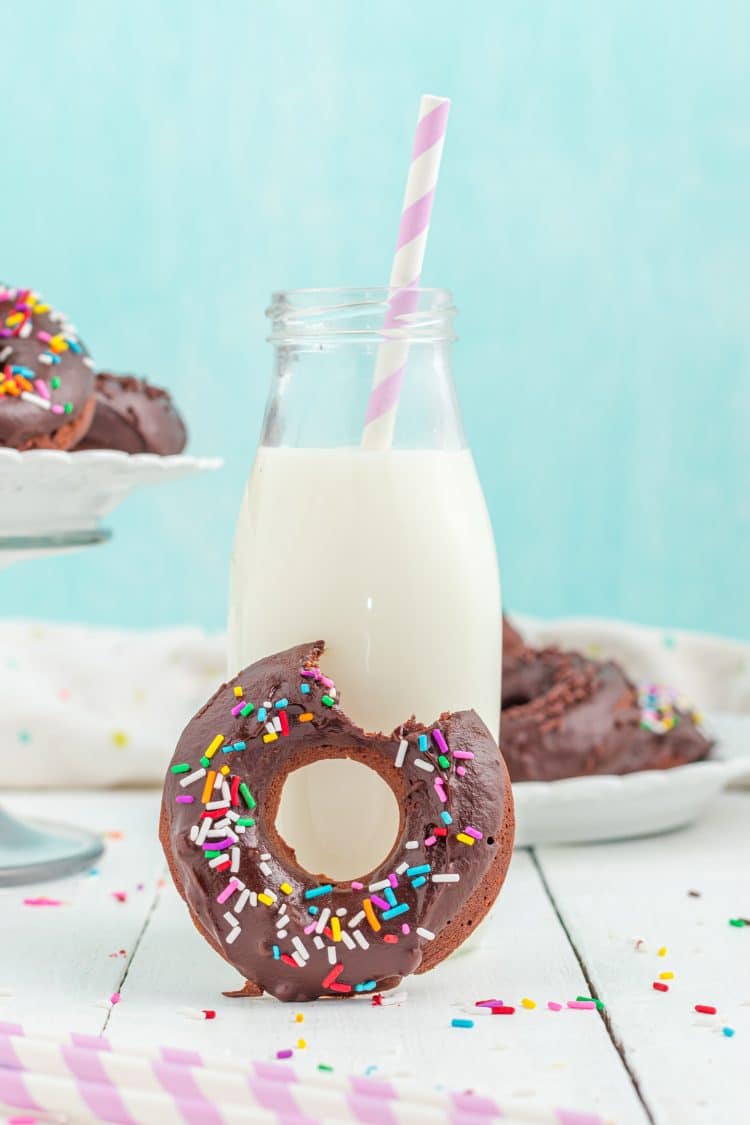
[100, 707]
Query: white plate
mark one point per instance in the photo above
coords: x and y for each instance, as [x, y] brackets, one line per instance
[51, 494]
[608, 807]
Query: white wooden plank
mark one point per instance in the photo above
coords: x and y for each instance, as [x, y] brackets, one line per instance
[563, 1058]
[57, 972]
[687, 1069]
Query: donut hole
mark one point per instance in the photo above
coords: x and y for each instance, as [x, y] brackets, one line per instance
[340, 817]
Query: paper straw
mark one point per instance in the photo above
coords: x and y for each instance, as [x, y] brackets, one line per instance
[82, 1102]
[109, 1083]
[407, 269]
[168, 1083]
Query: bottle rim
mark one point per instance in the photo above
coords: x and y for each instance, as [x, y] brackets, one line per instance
[367, 314]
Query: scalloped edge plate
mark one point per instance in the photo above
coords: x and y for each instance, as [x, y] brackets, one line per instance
[50, 492]
[130, 461]
[582, 810]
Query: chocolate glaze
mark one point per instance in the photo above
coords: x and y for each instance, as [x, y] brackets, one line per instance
[26, 424]
[134, 416]
[567, 716]
[481, 798]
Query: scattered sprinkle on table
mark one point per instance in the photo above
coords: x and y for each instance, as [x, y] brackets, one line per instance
[660, 987]
[728, 1032]
[41, 900]
[706, 1009]
[503, 1010]
[738, 922]
[598, 1004]
[462, 1023]
[285, 1054]
[528, 1004]
[662, 951]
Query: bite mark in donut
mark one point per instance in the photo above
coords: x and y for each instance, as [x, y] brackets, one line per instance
[290, 932]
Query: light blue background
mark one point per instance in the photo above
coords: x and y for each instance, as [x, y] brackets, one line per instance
[165, 166]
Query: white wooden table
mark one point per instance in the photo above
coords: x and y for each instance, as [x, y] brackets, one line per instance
[565, 925]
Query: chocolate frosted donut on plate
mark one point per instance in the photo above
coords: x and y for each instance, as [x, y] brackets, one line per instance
[298, 934]
[46, 377]
[135, 417]
[567, 716]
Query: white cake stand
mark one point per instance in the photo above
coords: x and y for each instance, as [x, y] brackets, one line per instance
[52, 503]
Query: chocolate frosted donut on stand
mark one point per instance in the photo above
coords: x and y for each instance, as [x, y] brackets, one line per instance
[298, 934]
[46, 377]
[567, 716]
[134, 416]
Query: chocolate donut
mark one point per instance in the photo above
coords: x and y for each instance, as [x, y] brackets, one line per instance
[134, 416]
[46, 377]
[299, 935]
[567, 716]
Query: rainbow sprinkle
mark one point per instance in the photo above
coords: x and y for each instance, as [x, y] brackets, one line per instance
[659, 706]
[18, 380]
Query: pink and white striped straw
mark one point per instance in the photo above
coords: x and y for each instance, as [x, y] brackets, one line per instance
[87, 1079]
[406, 271]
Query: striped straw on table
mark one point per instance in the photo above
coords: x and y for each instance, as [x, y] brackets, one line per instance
[406, 270]
[87, 1079]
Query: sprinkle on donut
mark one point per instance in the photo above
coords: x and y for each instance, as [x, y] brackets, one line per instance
[46, 377]
[290, 932]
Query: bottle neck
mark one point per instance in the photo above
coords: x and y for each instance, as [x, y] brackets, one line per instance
[333, 348]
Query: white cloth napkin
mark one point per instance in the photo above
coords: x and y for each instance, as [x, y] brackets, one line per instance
[95, 707]
[99, 707]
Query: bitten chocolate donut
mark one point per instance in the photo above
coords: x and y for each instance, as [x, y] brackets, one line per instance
[567, 716]
[46, 377]
[134, 416]
[299, 935]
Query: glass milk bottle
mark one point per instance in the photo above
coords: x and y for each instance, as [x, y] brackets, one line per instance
[386, 555]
